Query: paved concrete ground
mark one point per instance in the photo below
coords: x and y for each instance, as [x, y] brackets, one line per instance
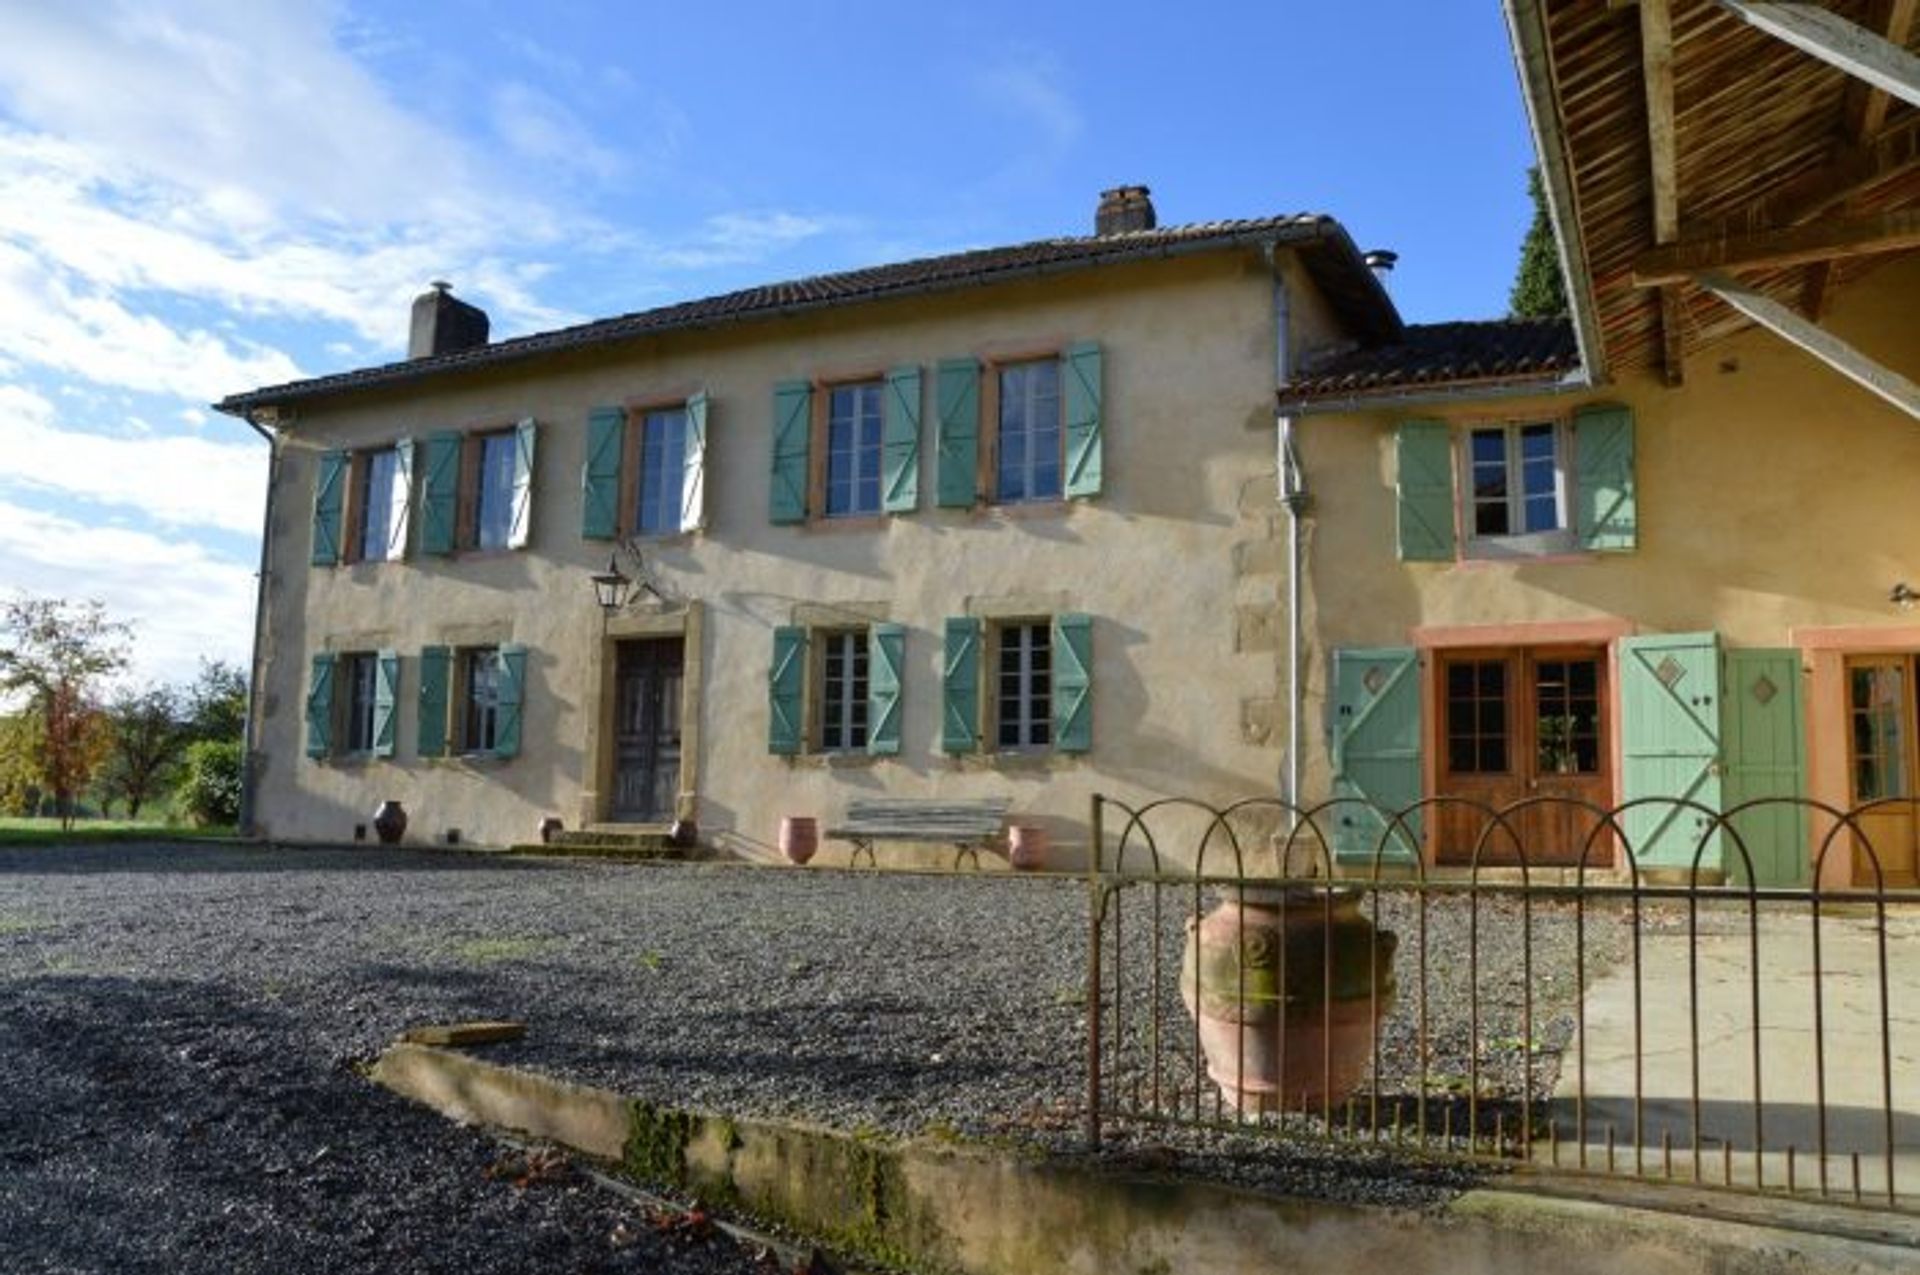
[1871, 1077]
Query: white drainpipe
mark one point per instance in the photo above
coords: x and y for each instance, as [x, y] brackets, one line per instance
[1291, 490]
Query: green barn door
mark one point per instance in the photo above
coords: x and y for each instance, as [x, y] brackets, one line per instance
[1376, 752]
[1670, 743]
[1763, 732]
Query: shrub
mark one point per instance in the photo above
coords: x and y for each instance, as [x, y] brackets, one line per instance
[209, 790]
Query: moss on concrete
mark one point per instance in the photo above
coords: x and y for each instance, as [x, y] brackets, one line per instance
[657, 1139]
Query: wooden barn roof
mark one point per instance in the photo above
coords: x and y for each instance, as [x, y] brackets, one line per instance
[1685, 144]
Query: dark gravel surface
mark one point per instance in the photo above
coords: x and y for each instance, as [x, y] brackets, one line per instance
[180, 1026]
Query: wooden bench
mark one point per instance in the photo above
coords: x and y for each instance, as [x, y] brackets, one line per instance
[968, 826]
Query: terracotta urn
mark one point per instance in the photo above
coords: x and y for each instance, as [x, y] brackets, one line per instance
[550, 826]
[1027, 847]
[1294, 1047]
[390, 823]
[799, 837]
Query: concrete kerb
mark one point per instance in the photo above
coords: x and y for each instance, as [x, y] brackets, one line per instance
[963, 1209]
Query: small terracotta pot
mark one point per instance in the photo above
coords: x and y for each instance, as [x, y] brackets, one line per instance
[1027, 847]
[548, 827]
[390, 822]
[799, 837]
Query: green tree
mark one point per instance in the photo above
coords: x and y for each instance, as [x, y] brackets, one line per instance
[215, 705]
[147, 736]
[19, 765]
[1539, 292]
[53, 655]
[210, 782]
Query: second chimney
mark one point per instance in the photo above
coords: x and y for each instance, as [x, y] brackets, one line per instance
[443, 323]
[1122, 209]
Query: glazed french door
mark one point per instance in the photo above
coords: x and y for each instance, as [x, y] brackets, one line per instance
[646, 736]
[1882, 765]
[1516, 723]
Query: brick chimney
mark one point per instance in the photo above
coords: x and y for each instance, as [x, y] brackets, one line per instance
[1122, 209]
[443, 323]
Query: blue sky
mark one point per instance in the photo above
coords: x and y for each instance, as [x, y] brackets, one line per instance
[199, 197]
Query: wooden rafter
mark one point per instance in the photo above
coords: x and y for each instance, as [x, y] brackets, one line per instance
[1656, 72]
[1826, 35]
[1890, 231]
[1894, 153]
[1815, 340]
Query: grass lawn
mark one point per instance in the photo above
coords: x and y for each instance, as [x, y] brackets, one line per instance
[23, 832]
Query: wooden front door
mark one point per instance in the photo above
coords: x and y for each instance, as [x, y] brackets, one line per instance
[1882, 764]
[1516, 724]
[646, 729]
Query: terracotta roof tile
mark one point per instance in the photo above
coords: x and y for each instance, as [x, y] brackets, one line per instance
[1438, 354]
[1328, 252]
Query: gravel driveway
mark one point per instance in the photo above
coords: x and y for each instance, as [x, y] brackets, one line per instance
[179, 1026]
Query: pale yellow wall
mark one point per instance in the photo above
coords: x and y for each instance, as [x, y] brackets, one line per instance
[1173, 561]
[1772, 494]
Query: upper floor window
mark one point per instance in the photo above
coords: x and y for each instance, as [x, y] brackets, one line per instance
[663, 450]
[854, 440]
[1517, 489]
[380, 503]
[493, 494]
[1028, 439]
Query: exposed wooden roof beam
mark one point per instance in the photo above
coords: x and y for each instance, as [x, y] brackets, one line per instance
[1831, 38]
[1656, 73]
[1867, 109]
[1894, 153]
[1815, 340]
[1889, 231]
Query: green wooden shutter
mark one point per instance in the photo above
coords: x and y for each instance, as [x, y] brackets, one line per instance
[1670, 745]
[1763, 734]
[1080, 373]
[886, 654]
[386, 695]
[1376, 754]
[510, 709]
[1426, 492]
[600, 476]
[960, 686]
[1603, 478]
[439, 491]
[402, 498]
[693, 473]
[792, 432]
[957, 446]
[329, 499]
[900, 474]
[521, 528]
[786, 686]
[320, 706]
[436, 667]
[1072, 683]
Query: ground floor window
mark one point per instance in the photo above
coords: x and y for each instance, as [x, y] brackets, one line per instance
[843, 690]
[1023, 699]
[360, 679]
[479, 691]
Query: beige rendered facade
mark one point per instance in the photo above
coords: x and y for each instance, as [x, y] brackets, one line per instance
[1175, 562]
[1770, 517]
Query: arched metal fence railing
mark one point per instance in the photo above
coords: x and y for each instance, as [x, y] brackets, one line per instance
[1720, 1012]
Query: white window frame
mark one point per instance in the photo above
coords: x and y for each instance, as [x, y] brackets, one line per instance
[841, 711]
[493, 490]
[1527, 544]
[865, 456]
[668, 488]
[479, 722]
[1032, 718]
[392, 506]
[1021, 373]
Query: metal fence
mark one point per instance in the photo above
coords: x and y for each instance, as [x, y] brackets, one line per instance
[1586, 1020]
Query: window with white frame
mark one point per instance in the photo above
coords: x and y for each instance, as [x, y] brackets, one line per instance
[1028, 437]
[843, 691]
[663, 459]
[854, 439]
[493, 515]
[381, 505]
[479, 698]
[1516, 489]
[1023, 693]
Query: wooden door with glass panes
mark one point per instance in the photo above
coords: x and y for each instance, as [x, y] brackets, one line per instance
[1516, 723]
[1882, 764]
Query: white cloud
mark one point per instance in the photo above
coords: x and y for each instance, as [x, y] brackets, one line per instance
[1028, 88]
[539, 127]
[183, 601]
[176, 480]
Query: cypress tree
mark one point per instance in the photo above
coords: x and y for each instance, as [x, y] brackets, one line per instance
[1538, 289]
